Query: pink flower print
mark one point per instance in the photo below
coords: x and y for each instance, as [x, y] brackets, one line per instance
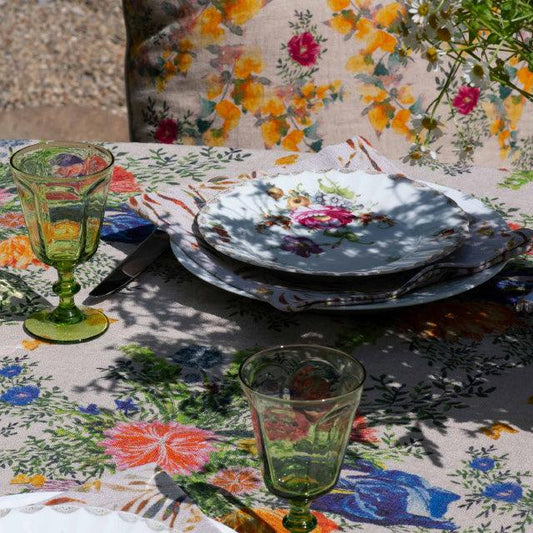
[5, 196]
[322, 217]
[176, 448]
[304, 49]
[466, 99]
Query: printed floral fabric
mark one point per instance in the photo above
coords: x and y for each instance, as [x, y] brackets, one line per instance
[440, 442]
[297, 75]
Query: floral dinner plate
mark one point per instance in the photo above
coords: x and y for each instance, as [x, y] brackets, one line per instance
[334, 223]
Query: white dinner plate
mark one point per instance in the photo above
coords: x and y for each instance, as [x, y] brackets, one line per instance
[224, 273]
[23, 513]
[333, 223]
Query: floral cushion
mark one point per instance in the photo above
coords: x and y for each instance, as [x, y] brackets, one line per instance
[304, 73]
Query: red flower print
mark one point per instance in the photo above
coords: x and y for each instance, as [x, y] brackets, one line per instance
[307, 385]
[323, 217]
[285, 424]
[361, 432]
[123, 181]
[167, 131]
[176, 448]
[91, 165]
[466, 99]
[304, 49]
[237, 480]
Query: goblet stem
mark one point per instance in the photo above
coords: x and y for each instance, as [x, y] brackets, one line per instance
[300, 518]
[66, 287]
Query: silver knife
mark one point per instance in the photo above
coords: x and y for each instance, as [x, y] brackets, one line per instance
[145, 254]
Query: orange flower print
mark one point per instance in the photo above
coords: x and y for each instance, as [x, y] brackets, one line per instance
[270, 521]
[292, 140]
[123, 181]
[238, 12]
[208, 26]
[452, 320]
[176, 448]
[494, 432]
[12, 220]
[16, 252]
[237, 480]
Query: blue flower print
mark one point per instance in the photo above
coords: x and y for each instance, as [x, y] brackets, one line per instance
[389, 497]
[196, 356]
[123, 225]
[10, 371]
[126, 406]
[91, 409]
[20, 395]
[506, 492]
[482, 463]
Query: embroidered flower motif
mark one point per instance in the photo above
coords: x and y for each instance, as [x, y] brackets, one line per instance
[482, 463]
[361, 432]
[466, 99]
[5, 196]
[388, 497]
[12, 220]
[197, 356]
[91, 409]
[237, 480]
[304, 49]
[285, 424]
[72, 166]
[505, 492]
[323, 217]
[167, 131]
[16, 252]
[176, 448]
[301, 246]
[10, 371]
[23, 395]
[126, 406]
[123, 181]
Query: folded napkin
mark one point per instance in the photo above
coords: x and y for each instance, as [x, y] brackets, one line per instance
[145, 491]
[174, 209]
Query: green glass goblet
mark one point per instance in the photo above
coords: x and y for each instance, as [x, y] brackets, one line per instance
[63, 189]
[303, 400]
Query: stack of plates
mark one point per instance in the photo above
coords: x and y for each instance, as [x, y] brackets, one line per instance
[317, 235]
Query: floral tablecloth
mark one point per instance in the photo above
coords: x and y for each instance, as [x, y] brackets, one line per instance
[443, 436]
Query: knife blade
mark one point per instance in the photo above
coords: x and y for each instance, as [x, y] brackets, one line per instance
[135, 263]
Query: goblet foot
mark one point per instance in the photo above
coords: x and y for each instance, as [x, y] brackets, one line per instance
[43, 326]
[300, 519]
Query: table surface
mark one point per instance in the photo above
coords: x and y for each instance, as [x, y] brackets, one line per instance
[443, 435]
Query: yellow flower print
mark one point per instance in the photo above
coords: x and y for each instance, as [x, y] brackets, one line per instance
[214, 86]
[380, 39]
[372, 93]
[247, 445]
[343, 23]
[405, 96]
[33, 344]
[291, 141]
[230, 114]
[37, 480]
[364, 28]
[273, 130]
[514, 106]
[208, 26]
[273, 107]
[378, 117]
[214, 137]
[290, 160]
[360, 63]
[525, 77]
[308, 90]
[387, 14]
[338, 5]
[238, 12]
[248, 64]
[494, 432]
[399, 123]
[184, 58]
[252, 95]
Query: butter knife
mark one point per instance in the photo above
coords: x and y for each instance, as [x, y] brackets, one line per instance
[135, 263]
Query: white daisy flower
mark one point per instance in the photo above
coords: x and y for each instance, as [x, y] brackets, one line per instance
[476, 73]
[418, 153]
[433, 56]
[419, 11]
[431, 125]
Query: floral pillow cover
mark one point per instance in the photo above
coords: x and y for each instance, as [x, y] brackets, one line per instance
[297, 75]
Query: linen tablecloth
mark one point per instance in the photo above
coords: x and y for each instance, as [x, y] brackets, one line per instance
[443, 435]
